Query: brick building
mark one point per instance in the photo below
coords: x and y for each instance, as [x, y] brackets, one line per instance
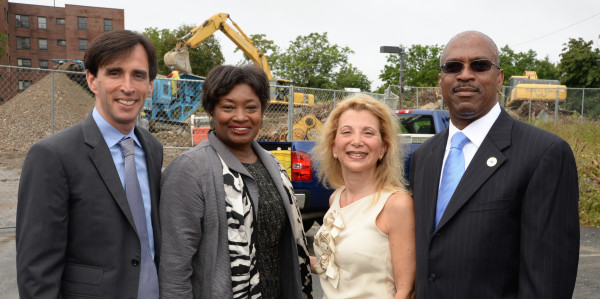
[37, 34]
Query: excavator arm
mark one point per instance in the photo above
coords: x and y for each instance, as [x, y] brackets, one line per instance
[179, 57]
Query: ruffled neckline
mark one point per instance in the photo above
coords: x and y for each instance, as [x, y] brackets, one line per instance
[324, 241]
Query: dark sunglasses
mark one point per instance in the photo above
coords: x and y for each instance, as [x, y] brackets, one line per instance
[453, 67]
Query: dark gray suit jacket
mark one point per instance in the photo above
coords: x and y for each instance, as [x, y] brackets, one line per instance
[511, 230]
[75, 233]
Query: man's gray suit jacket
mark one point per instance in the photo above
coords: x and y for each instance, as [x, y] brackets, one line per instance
[75, 233]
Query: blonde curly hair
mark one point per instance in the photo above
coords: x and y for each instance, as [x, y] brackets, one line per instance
[389, 173]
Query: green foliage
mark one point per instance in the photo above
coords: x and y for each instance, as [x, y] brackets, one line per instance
[311, 61]
[350, 76]
[515, 64]
[421, 67]
[546, 69]
[163, 41]
[580, 64]
[202, 58]
[3, 41]
[267, 46]
[583, 137]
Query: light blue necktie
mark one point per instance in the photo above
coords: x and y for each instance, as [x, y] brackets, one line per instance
[453, 172]
[148, 284]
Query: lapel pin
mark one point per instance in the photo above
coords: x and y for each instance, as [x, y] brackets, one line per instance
[491, 162]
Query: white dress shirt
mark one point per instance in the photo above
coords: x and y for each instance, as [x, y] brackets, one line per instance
[476, 132]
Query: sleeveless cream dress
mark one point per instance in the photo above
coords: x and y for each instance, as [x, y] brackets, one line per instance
[354, 258]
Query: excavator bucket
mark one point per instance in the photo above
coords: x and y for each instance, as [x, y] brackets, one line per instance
[180, 59]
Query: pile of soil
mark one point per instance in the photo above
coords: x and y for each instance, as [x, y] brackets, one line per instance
[27, 118]
[179, 137]
[537, 108]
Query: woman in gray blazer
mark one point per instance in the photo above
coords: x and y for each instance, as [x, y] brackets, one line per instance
[231, 225]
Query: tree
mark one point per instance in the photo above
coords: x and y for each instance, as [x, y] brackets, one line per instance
[546, 69]
[580, 64]
[202, 58]
[422, 65]
[266, 46]
[311, 61]
[163, 41]
[3, 40]
[515, 64]
[350, 76]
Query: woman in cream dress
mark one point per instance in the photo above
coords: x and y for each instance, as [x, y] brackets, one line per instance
[366, 245]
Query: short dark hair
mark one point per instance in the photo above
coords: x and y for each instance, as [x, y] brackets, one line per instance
[221, 80]
[112, 45]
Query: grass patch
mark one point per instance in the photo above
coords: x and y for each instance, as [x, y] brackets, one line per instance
[584, 138]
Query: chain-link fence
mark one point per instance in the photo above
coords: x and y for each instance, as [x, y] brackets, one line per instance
[36, 103]
[525, 103]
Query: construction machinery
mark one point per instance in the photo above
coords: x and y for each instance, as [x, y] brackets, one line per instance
[163, 106]
[307, 128]
[179, 57]
[529, 87]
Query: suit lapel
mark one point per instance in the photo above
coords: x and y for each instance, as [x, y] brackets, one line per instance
[479, 171]
[151, 164]
[431, 186]
[102, 159]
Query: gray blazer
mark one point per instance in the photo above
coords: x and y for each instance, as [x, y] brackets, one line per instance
[195, 259]
[511, 229]
[75, 232]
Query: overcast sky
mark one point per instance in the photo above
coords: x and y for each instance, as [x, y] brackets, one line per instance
[365, 25]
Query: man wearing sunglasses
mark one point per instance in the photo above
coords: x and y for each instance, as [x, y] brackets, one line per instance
[496, 215]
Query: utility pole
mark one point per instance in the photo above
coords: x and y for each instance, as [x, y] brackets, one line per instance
[394, 50]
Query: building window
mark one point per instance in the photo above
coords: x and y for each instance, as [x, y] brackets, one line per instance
[42, 23]
[43, 44]
[24, 62]
[23, 43]
[43, 64]
[23, 84]
[82, 23]
[61, 42]
[108, 24]
[22, 21]
[82, 44]
[60, 21]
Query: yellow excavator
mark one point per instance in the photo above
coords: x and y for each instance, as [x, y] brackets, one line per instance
[529, 87]
[179, 57]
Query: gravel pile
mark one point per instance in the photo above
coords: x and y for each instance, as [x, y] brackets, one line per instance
[180, 137]
[27, 118]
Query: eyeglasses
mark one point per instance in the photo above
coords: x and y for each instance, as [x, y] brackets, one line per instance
[479, 66]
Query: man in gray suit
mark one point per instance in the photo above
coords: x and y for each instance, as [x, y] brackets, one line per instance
[79, 232]
[496, 215]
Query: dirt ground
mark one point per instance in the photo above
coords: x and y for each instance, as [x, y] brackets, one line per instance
[12, 160]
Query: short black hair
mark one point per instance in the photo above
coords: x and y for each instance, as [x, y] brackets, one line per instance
[112, 45]
[221, 80]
